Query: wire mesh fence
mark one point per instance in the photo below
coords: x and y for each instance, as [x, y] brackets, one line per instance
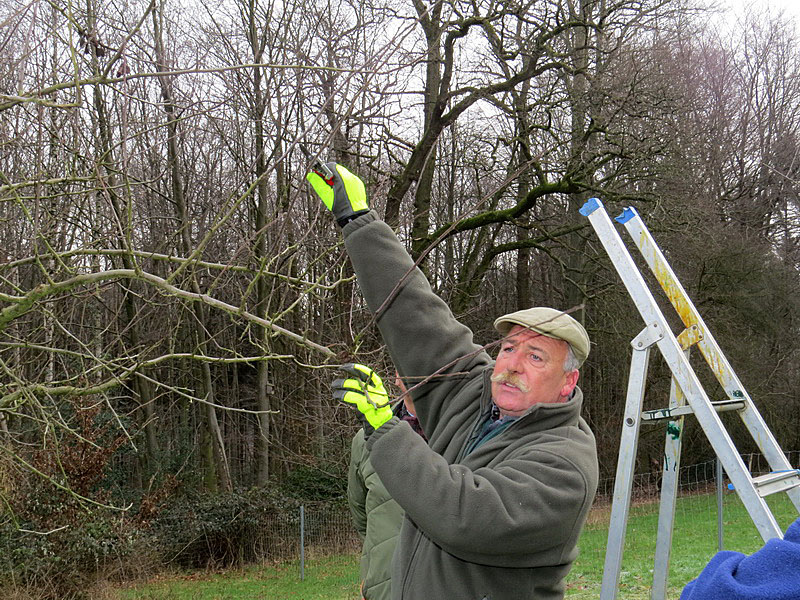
[315, 529]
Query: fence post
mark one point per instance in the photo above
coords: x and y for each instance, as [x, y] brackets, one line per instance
[302, 543]
[720, 483]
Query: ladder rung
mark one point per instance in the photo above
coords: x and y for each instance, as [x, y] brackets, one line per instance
[669, 414]
[779, 481]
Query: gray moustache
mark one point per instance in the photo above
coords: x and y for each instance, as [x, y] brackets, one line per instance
[507, 377]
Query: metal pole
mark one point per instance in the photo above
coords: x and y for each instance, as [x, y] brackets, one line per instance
[302, 543]
[626, 466]
[720, 483]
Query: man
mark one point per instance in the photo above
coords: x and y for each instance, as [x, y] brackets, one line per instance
[495, 503]
[376, 515]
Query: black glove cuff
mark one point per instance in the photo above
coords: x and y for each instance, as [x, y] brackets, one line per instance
[368, 428]
[345, 220]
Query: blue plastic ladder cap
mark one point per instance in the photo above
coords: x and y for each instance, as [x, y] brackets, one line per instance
[626, 215]
[591, 205]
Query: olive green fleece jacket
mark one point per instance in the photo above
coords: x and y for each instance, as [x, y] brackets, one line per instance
[377, 518]
[501, 523]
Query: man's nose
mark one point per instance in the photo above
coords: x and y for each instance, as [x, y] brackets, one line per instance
[513, 363]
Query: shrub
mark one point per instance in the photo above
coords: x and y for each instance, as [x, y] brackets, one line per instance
[65, 562]
[56, 538]
[316, 483]
[220, 530]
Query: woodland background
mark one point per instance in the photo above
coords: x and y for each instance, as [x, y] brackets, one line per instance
[174, 299]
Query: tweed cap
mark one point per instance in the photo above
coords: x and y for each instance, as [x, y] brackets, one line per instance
[550, 322]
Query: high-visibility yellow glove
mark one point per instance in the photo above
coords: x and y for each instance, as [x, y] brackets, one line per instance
[364, 390]
[340, 191]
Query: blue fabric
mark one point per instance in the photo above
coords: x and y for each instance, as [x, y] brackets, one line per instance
[771, 573]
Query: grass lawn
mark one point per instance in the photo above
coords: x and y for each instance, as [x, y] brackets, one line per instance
[694, 542]
[336, 577]
[326, 578]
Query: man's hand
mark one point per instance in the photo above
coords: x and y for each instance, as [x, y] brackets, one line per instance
[343, 194]
[365, 390]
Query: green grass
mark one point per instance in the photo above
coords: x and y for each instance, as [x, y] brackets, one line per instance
[694, 543]
[336, 577]
[326, 578]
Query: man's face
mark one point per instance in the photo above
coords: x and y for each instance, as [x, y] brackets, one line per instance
[530, 369]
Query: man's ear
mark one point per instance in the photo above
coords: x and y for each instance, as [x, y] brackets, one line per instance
[570, 381]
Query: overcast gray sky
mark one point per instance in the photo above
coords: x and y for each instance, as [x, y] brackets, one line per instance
[790, 7]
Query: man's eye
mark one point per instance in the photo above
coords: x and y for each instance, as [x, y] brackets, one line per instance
[536, 357]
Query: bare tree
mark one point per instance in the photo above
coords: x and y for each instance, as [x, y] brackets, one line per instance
[173, 268]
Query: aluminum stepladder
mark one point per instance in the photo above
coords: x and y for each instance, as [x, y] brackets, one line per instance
[687, 396]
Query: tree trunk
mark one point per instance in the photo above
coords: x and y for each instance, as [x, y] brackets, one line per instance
[142, 393]
[222, 468]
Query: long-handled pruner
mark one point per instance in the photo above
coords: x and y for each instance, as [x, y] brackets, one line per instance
[319, 167]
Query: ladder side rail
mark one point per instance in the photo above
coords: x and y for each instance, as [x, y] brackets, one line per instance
[670, 480]
[679, 299]
[626, 464]
[682, 371]
[707, 344]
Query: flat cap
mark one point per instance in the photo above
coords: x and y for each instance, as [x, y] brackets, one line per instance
[550, 322]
